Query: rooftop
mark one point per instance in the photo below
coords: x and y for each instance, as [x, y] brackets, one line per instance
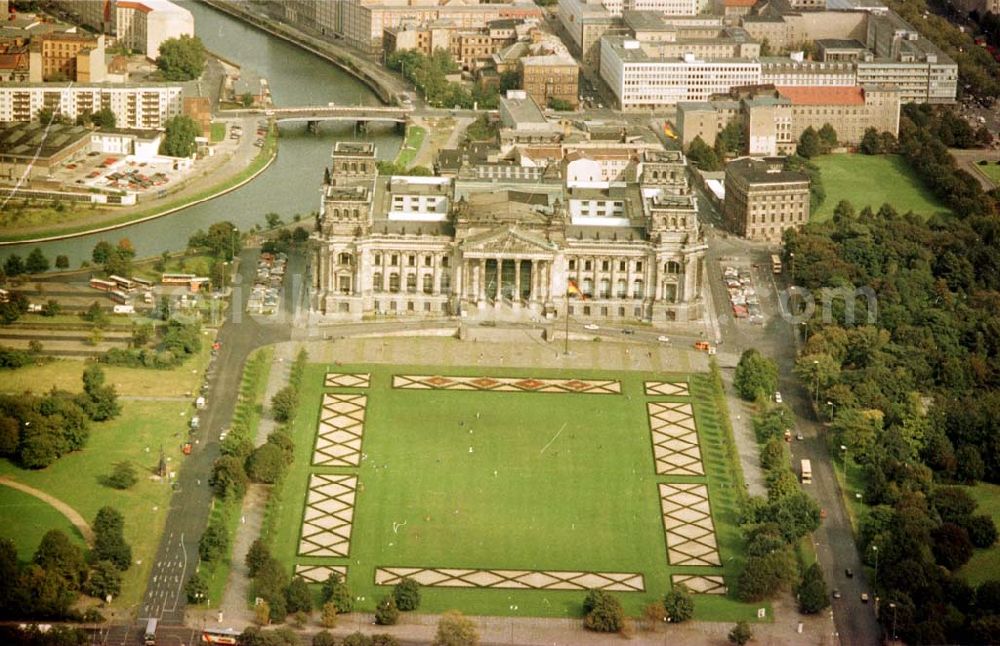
[28, 139]
[769, 170]
[823, 95]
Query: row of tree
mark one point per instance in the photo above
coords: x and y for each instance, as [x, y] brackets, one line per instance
[176, 341]
[429, 73]
[35, 430]
[911, 391]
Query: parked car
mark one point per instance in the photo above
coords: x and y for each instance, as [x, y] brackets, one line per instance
[777, 396]
[836, 593]
[864, 597]
[663, 339]
[849, 572]
[591, 326]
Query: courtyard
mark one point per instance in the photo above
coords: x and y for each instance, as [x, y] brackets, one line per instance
[512, 491]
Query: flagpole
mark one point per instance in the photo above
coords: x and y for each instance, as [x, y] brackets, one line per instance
[566, 340]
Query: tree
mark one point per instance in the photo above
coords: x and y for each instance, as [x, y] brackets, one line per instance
[982, 530]
[257, 555]
[104, 118]
[37, 262]
[181, 59]
[809, 144]
[336, 591]
[764, 576]
[756, 376]
[105, 580]
[51, 308]
[179, 138]
[222, 240]
[328, 615]
[604, 613]
[300, 235]
[827, 138]
[386, 612]
[297, 596]
[952, 547]
[843, 211]
[109, 538]
[62, 261]
[261, 614]
[95, 314]
[560, 105]
[246, 99]
[813, 595]
[324, 638]
[731, 140]
[58, 556]
[284, 403]
[13, 266]
[870, 142]
[703, 156]
[123, 477]
[266, 464]
[102, 401]
[228, 477]
[407, 594]
[102, 251]
[454, 629]
[214, 543]
[953, 504]
[678, 604]
[741, 633]
[196, 588]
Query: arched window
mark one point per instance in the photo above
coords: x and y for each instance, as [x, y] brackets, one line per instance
[343, 167]
[622, 290]
[411, 283]
[587, 287]
[673, 267]
[394, 282]
[377, 281]
[336, 213]
[428, 283]
[637, 289]
[605, 291]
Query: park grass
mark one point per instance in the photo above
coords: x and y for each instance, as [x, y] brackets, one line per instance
[991, 170]
[587, 501]
[264, 157]
[984, 564]
[136, 435]
[67, 374]
[873, 180]
[24, 519]
[411, 145]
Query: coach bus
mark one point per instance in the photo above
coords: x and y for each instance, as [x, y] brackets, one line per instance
[103, 285]
[142, 282]
[219, 636]
[176, 279]
[118, 296]
[123, 284]
[149, 638]
[775, 263]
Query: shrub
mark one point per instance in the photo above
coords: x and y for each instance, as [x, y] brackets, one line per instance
[284, 403]
[297, 596]
[266, 464]
[982, 530]
[335, 590]
[386, 612]
[123, 476]
[604, 612]
[407, 594]
[678, 604]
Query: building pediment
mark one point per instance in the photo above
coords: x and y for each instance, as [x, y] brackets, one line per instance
[507, 240]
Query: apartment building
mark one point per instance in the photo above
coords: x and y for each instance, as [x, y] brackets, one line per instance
[143, 24]
[552, 76]
[66, 56]
[135, 106]
[763, 199]
[586, 22]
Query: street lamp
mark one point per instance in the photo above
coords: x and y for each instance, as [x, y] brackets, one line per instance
[892, 605]
[791, 258]
[847, 479]
[875, 581]
[833, 409]
[816, 379]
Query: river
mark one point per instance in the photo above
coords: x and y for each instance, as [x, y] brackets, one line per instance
[291, 184]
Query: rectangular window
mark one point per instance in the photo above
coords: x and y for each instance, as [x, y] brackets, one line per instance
[586, 310]
[621, 266]
[572, 265]
[411, 261]
[586, 265]
[378, 259]
[605, 265]
[394, 261]
[638, 266]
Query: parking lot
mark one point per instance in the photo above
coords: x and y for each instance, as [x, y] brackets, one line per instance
[743, 298]
[264, 296]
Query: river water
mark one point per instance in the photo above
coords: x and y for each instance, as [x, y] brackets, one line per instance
[291, 184]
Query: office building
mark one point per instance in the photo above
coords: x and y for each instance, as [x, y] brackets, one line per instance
[763, 199]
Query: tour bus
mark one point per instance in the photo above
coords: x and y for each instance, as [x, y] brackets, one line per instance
[807, 472]
[142, 282]
[225, 636]
[124, 284]
[176, 279]
[775, 263]
[118, 297]
[103, 285]
[150, 637]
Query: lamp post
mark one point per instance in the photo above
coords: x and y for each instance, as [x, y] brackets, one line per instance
[791, 258]
[234, 236]
[816, 380]
[875, 581]
[892, 605]
[833, 409]
[847, 480]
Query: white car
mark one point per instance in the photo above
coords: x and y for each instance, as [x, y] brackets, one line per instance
[663, 339]
[591, 326]
[777, 396]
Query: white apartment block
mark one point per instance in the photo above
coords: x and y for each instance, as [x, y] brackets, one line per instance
[666, 7]
[143, 24]
[642, 82]
[795, 71]
[143, 107]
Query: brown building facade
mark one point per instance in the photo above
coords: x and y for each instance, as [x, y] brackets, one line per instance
[763, 199]
[551, 77]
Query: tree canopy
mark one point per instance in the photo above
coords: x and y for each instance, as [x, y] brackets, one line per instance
[181, 59]
[179, 138]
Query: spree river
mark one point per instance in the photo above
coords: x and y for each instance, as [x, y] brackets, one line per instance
[291, 184]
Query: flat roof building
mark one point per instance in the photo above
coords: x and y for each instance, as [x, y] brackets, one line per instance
[763, 199]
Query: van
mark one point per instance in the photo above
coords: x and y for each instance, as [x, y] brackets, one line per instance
[199, 403]
[195, 423]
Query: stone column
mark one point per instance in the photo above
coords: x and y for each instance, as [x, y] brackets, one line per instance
[517, 280]
[628, 278]
[691, 278]
[533, 296]
[436, 267]
[481, 280]
[499, 278]
[459, 283]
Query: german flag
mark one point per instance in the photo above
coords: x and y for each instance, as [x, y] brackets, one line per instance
[572, 289]
[668, 130]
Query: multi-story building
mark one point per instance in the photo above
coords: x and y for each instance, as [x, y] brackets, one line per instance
[135, 106]
[420, 38]
[143, 24]
[553, 76]
[67, 57]
[586, 22]
[796, 70]
[640, 80]
[763, 199]
[506, 245]
[96, 14]
[773, 118]
[361, 23]
[14, 61]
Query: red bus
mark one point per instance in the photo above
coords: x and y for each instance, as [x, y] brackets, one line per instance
[103, 285]
[122, 283]
[118, 297]
[219, 636]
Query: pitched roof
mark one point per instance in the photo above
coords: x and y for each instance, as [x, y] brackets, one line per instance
[823, 95]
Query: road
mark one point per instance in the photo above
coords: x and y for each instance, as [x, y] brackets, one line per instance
[834, 540]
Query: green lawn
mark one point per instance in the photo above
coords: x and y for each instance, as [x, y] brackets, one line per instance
[554, 482]
[414, 139]
[985, 564]
[872, 180]
[25, 519]
[136, 435]
[991, 170]
[218, 132]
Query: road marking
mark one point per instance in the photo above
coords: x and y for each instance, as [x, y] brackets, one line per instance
[183, 571]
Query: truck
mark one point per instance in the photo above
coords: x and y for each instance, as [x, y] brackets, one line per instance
[149, 638]
[807, 471]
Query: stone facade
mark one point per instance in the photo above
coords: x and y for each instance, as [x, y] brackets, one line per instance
[434, 246]
[763, 199]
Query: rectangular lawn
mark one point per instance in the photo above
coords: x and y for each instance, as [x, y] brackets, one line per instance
[510, 480]
[873, 180]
